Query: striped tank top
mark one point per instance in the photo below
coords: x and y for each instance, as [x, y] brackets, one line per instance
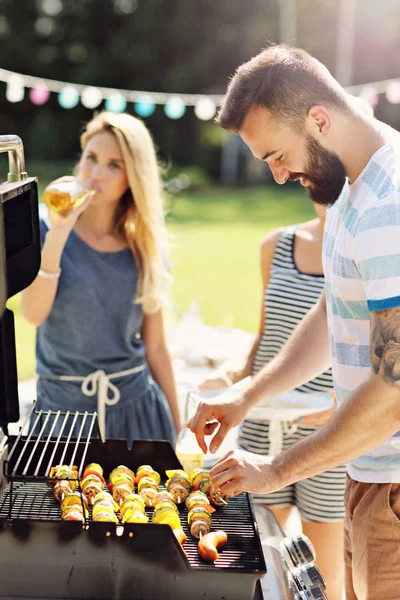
[290, 294]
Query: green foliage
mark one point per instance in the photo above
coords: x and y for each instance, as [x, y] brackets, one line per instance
[216, 237]
[178, 46]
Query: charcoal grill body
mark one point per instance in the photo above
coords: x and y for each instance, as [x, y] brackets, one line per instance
[44, 557]
[46, 560]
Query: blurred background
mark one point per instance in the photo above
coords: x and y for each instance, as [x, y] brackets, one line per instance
[168, 62]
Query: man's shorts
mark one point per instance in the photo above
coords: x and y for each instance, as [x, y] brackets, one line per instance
[372, 541]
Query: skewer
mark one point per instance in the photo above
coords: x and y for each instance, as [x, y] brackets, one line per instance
[223, 501]
[119, 530]
[179, 499]
[150, 502]
[62, 496]
[200, 534]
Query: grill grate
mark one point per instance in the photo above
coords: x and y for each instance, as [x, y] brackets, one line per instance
[34, 500]
[29, 501]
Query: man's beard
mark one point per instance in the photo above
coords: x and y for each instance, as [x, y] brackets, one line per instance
[325, 173]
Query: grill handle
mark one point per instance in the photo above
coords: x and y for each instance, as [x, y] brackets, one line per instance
[16, 159]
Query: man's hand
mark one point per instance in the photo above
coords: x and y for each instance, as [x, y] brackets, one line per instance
[210, 413]
[241, 471]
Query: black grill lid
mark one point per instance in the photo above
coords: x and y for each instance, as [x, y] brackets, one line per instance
[19, 263]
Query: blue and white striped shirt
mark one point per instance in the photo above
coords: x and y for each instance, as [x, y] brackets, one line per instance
[361, 257]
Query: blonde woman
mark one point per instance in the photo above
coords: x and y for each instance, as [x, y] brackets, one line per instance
[97, 300]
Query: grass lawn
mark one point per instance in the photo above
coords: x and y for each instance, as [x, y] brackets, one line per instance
[215, 258]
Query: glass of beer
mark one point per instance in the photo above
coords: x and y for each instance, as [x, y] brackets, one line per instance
[63, 196]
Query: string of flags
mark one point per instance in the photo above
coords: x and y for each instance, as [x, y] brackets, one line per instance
[145, 103]
[115, 100]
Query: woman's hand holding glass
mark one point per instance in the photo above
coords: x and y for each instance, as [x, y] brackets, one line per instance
[65, 219]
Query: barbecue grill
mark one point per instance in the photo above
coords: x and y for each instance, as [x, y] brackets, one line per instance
[47, 558]
[102, 560]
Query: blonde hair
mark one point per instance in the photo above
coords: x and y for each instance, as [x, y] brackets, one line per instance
[140, 216]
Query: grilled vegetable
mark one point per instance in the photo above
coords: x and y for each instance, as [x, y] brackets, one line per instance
[196, 476]
[147, 482]
[163, 495]
[161, 512]
[62, 471]
[131, 505]
[91, 486]
[181, 537]
[179, 487]
[199, 528]
[198, 512]
[178, 480]
[122, 491]
[173, 472]
[172, 519]
[61, 489]
[218, 498]
[167, 503]
[106, 497]
[134, 516]
[148, 495]
[104, 507]
[69, 509]
[106, 516]
[143, 468]
[201, 481]
[199, 499]
[74, 499]
[65, 472]
[94, 467]
[134, 499]
[204, 485]
[122, 472]
[96, 470]
[148, 490]
[148, 472]
[197, 496]
[210, 543]
[199, 521]
[72, 515]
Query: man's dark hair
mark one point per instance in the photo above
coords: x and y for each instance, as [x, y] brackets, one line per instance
[285, 80]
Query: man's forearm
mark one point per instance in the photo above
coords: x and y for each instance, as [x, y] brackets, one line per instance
[367, 418]
[304, 356]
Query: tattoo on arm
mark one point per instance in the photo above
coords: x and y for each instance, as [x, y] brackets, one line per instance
[385, 344]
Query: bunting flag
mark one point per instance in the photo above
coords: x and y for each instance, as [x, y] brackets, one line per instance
[145, 103]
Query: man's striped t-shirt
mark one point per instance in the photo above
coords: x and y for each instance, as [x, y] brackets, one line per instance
[361, 256]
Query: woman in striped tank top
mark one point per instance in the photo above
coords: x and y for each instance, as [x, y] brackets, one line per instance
[291, 266]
